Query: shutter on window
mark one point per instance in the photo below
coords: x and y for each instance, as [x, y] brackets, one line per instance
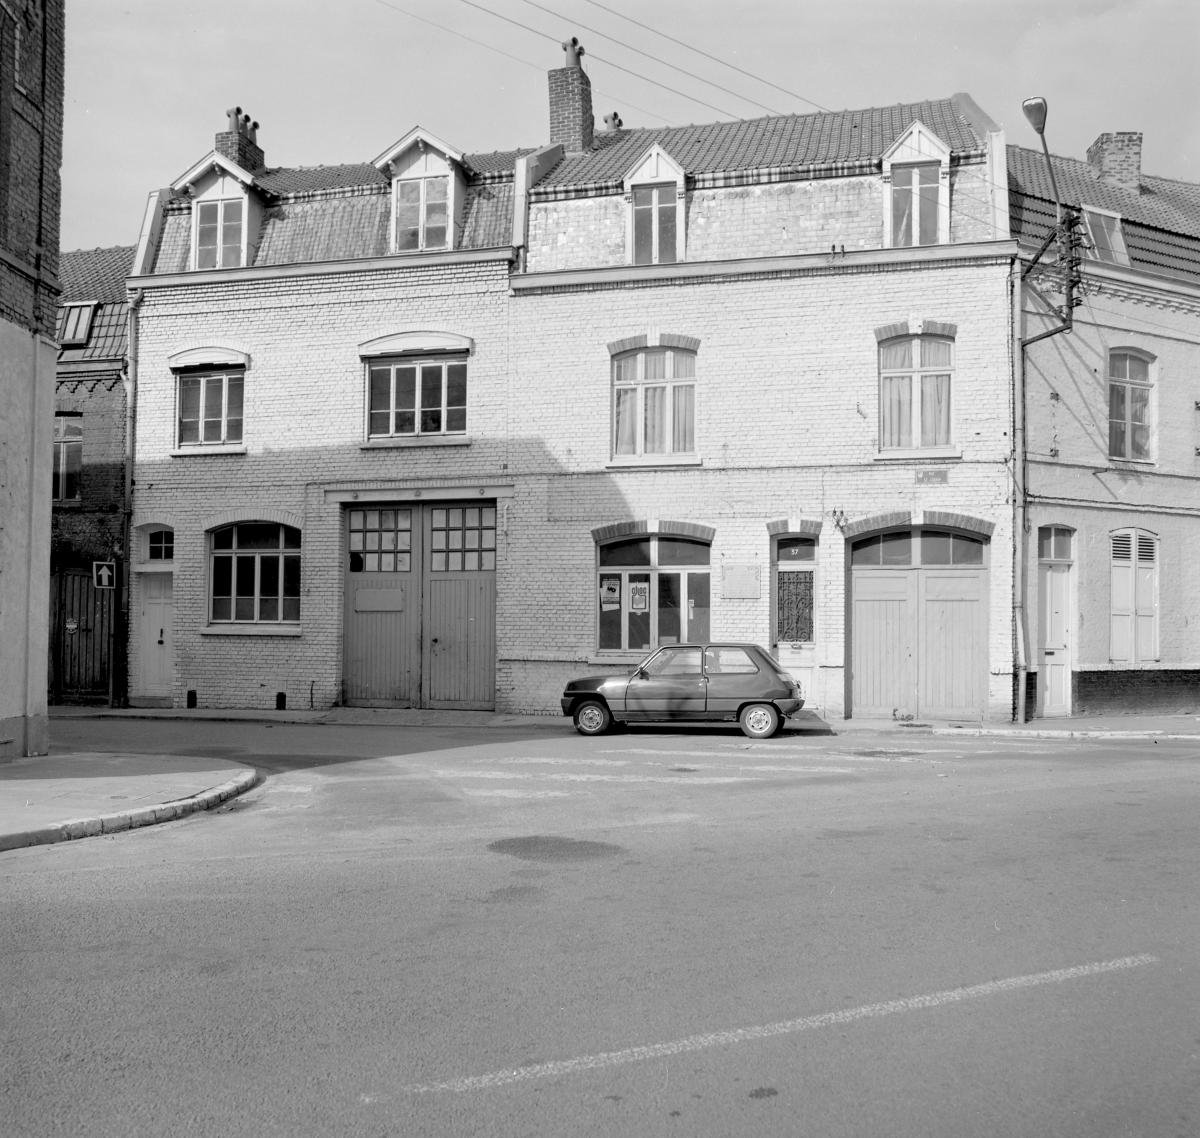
[1122, 601]
[1145, 617]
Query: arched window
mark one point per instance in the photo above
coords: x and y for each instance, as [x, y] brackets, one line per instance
[914, 392]
[255, 574]
[654, 403]
[1129, 390]
[653, 590]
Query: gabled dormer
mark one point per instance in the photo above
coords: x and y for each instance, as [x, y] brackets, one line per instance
[916, 189]
[226, 211]
[655, 229]
[428, 189]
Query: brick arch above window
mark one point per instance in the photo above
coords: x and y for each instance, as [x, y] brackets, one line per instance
[654, 340]
[965, 522]
[916, 328]
[425, 340]
[894, 520]
[795, 527]
[657, 528]
[209, 355]
[253, 514]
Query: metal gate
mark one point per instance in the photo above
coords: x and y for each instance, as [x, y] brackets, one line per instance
[81, 638]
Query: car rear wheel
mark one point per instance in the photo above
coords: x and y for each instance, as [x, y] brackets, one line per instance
[592, 717]
[759, 720]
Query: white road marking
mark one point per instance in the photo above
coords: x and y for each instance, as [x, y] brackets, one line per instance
[770, 1030]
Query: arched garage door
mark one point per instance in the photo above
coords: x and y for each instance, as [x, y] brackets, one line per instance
[919, 625]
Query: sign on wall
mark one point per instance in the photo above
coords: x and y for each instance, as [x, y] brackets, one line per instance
[104, 574]
[740, 583]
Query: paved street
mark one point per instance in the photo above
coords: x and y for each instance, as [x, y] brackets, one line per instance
[516, 931]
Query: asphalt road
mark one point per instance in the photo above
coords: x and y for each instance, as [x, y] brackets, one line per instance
[510, 932]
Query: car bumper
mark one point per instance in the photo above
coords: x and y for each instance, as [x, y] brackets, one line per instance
[788, 707]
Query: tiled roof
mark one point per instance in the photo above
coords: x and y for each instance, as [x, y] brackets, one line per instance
[95, 274]
[106, 338]
[839, 137]
[1162, 203]
[1161, 224]
[285, 181]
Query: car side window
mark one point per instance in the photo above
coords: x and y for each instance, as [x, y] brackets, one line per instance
[675, 662]
[729, 661]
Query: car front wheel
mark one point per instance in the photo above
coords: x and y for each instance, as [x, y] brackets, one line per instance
[592, 717]
[759, 720]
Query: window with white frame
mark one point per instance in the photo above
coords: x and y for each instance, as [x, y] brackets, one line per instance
[68, 457]
[1134, 597]
[75, 324]
[795, 560]
[209, 408]
[220, 233]
[655, 224]
[254, 574]
[422, 214]
[915, 204]
[1106, 241]
[413, 396]
[1129, 390]
[654, 403]
[652, 590]
[914, 392]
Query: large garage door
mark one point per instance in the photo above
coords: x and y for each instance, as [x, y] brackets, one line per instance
[420, 606]
[919, 625]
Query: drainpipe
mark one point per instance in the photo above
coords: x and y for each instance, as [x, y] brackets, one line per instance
[131, 374]
[1020, 504]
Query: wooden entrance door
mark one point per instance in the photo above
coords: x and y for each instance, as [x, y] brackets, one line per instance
[156, 632]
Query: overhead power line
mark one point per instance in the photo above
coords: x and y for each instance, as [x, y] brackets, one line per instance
[663, 62]
[700, 51]
[599, 59]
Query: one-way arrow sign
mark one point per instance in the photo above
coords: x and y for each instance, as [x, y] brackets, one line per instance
[104, 574]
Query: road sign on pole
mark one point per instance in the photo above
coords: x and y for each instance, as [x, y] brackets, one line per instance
[104, 574]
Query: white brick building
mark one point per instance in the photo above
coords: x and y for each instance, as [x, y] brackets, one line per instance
[444, 430]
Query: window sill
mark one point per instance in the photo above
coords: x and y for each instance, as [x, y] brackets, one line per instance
[640, 460]
[918, 453]
[1118, 463]
[417, 441]
[251, 630]
[154, 566]
[223, 448]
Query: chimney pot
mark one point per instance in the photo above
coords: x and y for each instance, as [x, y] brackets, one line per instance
[240, 142]
[572, 124]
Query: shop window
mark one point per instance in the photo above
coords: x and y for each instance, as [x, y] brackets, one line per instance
[254, 574]
[652, 590]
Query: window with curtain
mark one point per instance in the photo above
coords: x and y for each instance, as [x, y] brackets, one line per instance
[915, 205]
[254, 574]
[914, 392]
[1133, 624]
[654, 403]
[655, 224]
[652, 591]
[1128, 406]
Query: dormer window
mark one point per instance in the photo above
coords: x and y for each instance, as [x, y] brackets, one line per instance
[422, 213]
[916, 198]
[219, 233]
[655, 192]
[1105, 236]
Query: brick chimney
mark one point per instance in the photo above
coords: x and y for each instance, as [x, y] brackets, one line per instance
[240, 142]
[571, 120]
[1117, 158]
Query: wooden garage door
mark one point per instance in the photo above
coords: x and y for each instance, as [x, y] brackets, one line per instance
[919, 626]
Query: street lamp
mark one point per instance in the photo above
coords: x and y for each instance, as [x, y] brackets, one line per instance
[1035, 112]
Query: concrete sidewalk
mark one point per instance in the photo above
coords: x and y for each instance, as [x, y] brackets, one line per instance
[55, 798]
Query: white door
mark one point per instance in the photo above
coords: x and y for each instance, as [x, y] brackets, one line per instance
[1054, 640]
[156, 634]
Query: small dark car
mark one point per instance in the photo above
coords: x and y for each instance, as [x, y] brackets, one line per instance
[689, 682]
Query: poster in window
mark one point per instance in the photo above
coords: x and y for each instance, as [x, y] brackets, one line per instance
[610, 593]
[639, 596]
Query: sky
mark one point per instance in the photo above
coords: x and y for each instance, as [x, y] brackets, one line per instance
[338, 81]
